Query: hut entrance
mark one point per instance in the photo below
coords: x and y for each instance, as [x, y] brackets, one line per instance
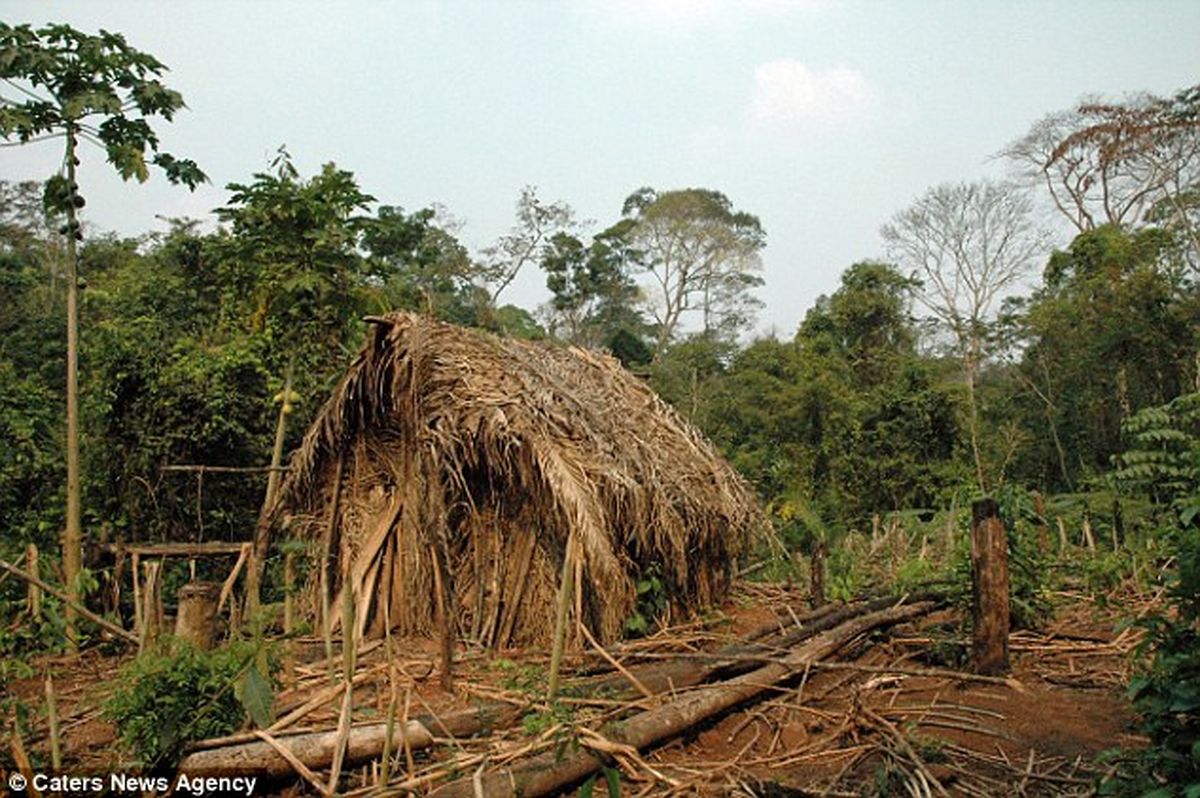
[499, 572]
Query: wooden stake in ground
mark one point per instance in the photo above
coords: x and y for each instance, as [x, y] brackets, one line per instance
[35, 592]
[1089, 540]
[52, 722]
[1039, 507]
[990, 586]
[817, 573]
[1118, 529]
[152, 609]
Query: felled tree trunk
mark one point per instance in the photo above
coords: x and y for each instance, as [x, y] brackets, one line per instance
[315, 750]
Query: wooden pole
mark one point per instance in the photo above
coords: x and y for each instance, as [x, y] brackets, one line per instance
[35, 592]
[990, 588]
[1089, 539]
[560, 617]
[152, 615]
[289, 591]
[1039, 507]
[138, 622]
[54, 727]
[262, 531]
[817, 569]
[331, 522]
[1118, 525]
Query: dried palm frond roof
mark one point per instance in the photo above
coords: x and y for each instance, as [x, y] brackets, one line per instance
[458, 425]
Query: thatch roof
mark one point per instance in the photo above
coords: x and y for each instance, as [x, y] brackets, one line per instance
[450, 447]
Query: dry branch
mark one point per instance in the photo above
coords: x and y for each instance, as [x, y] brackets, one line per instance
[103, 623]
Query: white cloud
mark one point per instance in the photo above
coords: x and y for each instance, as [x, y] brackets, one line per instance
[789, 95]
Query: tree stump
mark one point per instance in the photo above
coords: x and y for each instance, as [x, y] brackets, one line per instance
[990, 586]
[196, 621]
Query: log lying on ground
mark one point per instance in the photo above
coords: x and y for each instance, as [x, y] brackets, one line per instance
[548, 772]
[366, 742]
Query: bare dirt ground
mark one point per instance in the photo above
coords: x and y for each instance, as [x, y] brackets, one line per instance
[870, 722]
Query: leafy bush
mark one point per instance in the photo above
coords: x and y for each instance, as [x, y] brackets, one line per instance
[651, 601]
[1164, 461]
[177, 693]
[1166, 693]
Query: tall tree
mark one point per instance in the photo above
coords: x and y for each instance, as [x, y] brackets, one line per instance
[967, 244]
[290, 260]
[76, 87]
[421, 265]
[1105, 162]
[702, 256]
[1111, 329]
[537, 223]
[593, 298]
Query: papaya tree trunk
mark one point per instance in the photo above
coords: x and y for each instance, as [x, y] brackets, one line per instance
[72, 541]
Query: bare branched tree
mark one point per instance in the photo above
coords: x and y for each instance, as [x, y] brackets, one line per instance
[1118, 162]
[537, 223]
[967, 244]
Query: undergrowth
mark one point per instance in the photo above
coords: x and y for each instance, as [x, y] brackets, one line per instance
[176, 693]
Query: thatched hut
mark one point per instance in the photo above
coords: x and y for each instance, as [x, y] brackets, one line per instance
[451, 458]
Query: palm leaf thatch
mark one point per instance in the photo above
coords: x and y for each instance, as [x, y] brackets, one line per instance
[451, 450]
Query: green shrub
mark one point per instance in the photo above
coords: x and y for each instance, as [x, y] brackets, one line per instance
[176, 693]
[651, 602]
[1166, 691]
[1164, 461]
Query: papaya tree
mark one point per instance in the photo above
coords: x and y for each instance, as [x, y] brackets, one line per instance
[76, 88]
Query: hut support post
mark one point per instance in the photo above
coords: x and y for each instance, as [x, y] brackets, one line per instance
[989, 572]
[444, 615]
[326, 550]
[560, 616]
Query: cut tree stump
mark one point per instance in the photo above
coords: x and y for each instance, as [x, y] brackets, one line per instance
[196, 620]
[990, 589]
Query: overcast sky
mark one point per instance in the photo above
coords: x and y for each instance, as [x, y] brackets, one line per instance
[822, 117]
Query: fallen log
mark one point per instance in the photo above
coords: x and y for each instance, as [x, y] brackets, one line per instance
[315, 749]
[546, 773]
